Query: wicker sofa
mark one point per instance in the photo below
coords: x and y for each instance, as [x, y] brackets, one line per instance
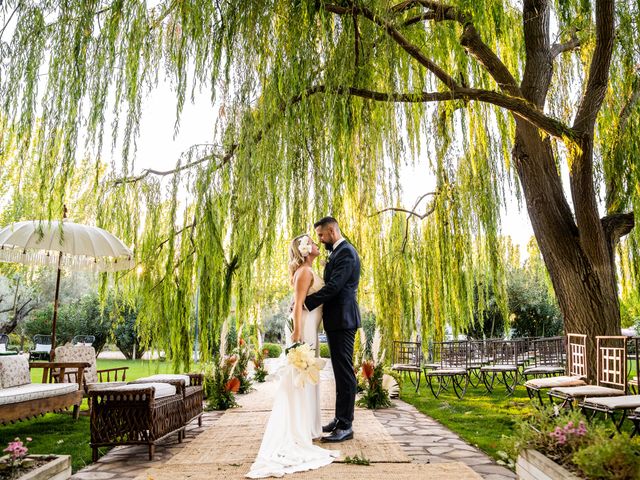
[20, 399]
[136, 414]
[191, 386]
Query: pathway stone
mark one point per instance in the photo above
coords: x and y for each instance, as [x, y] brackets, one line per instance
[425, 440]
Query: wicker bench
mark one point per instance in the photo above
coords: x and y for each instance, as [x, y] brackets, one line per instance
[136, 414]
[191, 385]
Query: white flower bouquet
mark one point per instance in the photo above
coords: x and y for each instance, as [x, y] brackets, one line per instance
[305, 365]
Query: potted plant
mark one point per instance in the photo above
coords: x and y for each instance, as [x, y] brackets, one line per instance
[552, 445]
[17, 464]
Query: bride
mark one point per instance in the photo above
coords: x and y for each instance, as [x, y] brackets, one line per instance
[287, 445]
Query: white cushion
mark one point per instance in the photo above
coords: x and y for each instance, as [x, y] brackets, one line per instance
[3, 348]
[624, 402]
[94, 387]
[446, 371]
[163, 378]
[499, 368]
[42, 348]
[161, 389]
[544, 369]
[561, 381]
[14, 371]
[34, 391]
[587, 391]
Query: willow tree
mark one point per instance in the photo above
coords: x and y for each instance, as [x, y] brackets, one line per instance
[323, 101]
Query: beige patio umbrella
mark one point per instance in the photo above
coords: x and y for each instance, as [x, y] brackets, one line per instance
[67, 245]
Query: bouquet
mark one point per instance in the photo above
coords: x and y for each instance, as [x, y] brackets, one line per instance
[305, 365]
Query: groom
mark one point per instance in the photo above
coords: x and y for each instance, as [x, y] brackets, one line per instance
[341, 318]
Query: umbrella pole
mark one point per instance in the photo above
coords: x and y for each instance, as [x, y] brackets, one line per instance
[55, 313]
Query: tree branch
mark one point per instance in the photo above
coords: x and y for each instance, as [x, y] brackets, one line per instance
[517, 106]
[400, 39]
[410, 213]
[224, 159]
[599, 69]
[617, 226]
[572, 44]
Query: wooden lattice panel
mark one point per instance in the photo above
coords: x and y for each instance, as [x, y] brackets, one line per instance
[612, 361]
[577, 354]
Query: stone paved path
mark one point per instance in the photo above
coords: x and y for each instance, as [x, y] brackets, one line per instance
[423, 439]
[427, 441]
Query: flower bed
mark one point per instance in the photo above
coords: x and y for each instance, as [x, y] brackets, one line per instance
[586, 450]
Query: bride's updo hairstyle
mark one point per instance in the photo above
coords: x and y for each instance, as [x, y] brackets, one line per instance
[299, 250]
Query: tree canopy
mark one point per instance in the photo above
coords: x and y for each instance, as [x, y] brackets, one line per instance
[321, 104]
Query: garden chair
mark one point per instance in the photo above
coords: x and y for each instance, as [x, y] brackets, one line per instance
[576, 369]
[83, 340]
[407, 358]
[136, 414]
[453, 358]
[633, 354]
[611, 377]
[477, 359]
[610, 407]
[41, 348]
[548, 358]
[191, 385]
[4, 343]
[93, 379]
[504, 365]
[20, 399]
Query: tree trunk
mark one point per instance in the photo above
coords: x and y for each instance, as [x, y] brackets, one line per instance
[585, 289]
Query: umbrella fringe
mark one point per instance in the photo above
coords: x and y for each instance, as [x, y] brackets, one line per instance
[79, 263]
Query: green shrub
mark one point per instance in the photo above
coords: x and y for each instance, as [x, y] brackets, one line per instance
[271, 350]
[616, 458]
[324, 351]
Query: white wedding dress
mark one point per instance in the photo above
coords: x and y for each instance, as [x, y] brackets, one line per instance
[287, 445]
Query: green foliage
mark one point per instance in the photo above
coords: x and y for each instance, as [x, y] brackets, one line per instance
[244, 354]
[589, 449]
[271, 350]
[220, 385]
[374, 395]
[294, 141]
[357, 460]
[126, 335]
[533, 310]
[82, 317]
[610, 458]
[324, 351]
[259, 373]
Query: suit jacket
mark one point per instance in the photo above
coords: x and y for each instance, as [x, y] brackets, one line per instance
[338, 296]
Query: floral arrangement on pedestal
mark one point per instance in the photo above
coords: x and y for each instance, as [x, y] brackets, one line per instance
[374, 395]
[259, 372]
[244, 354]
[591, 450]
[220, 384]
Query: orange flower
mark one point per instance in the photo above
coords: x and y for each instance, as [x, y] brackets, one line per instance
[367, 369]
[242, 342]
[265, 352]
[232, 385]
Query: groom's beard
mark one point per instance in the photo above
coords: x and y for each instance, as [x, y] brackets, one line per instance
[328, 246]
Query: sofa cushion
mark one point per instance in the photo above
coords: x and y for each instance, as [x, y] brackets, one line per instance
[34, 391]
[14, 371]
[3, 348]
[161, 389]
[94, 387]
[42, 347]
[163, 378]
[79, 353]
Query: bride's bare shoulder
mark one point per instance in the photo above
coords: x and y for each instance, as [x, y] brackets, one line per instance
[303, 273]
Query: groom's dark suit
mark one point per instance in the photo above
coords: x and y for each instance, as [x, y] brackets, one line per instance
[341, 319]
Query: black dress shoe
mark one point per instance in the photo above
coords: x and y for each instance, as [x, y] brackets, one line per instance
[339, 435]
[331, 426]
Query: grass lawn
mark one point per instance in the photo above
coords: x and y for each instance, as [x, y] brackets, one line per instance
[482, 419]
[58, 433]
